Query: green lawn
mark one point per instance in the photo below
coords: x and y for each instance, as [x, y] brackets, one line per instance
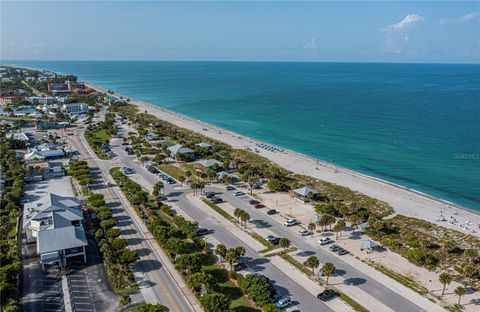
[239, 302]
[172, 171]
[101, 134]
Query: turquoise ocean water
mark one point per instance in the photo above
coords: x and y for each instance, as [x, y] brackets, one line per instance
[416, 125]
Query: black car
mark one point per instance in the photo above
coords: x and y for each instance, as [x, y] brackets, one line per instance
[272, 239]
[271, 212]
[342, 251]
[326, 295]
[253, 202]
[209, 195]
[201, 232]
[216, 200]
[334, 248]
[239, 266]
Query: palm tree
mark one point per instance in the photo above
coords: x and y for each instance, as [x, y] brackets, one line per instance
[221, 251]
[181, 179]
[157, 188]
[284, 243]
[460, 291]
[445, 279]
[237, 213]
[312, 227]
[328, 269]
[339, 226]
[312, 262]
[188, 174]
[245, 217]
[251, 182]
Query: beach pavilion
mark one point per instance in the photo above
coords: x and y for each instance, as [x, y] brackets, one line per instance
[368, 245]
[305, 193]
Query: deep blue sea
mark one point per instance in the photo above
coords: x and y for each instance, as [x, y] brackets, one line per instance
[416, 125]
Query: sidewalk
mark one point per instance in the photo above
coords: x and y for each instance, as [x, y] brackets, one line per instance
[170, 268]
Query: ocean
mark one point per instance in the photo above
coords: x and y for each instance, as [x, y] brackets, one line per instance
[416, 125]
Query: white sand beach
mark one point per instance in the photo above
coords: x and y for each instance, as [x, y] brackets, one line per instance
[403, 200]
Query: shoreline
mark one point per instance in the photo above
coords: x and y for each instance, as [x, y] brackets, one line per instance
[405, 201]
[319, 162]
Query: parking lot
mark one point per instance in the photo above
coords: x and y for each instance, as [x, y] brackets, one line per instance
[80, 293]
[87, 284]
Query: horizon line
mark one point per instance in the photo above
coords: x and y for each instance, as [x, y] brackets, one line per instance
[233, 61]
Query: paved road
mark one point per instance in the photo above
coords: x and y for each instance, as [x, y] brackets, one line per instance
[283, 283]
[374, 288]
[154, 276]
[307, 246]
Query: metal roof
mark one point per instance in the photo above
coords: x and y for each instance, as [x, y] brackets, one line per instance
[61, 239]
[303, 191]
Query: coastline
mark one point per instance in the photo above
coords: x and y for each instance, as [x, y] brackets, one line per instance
[405, 201]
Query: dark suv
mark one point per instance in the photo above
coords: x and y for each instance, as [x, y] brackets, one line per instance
[326, 295]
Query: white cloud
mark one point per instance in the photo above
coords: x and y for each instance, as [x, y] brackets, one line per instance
[311, 45]
[469, 16]
[407, 21]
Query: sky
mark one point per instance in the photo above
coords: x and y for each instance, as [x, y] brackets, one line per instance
[384, 31]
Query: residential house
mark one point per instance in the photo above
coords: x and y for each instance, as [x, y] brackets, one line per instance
[49, 124]
[179, 152]
[43, 152]
[42, 100]
[55, 223]
[58, 89]
[204, 145]
[9, 99]
[207, 164]
[75, 108]
[151, 136]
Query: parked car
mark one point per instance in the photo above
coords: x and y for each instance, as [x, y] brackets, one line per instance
[283, 302]
[253, 202]
[271, 212]
[108, 184]
[216, 200]
[334, 248]
[238, 193]
[210, 195]
[326, 295]
[290, 222]
[229, 187]
[304, 232]
[272, 239]
[324, 241]
[127, 170]
[341, 251]
[201, 231]
[259, 206]
[239, 266]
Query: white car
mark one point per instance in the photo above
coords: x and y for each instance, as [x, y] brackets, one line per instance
[283, 302]
[290, 222]
[126, 170]
[304, 232]
[238, 193]
[324, 241]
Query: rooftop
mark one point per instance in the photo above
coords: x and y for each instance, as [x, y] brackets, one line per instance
[61, 239]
